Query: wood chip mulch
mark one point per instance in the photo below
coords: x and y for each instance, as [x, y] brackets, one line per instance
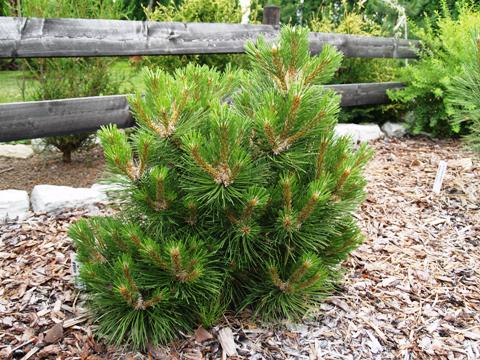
[411, 291]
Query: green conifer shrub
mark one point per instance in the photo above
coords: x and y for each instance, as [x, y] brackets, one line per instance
[235, 196]
[445, 46]
[463, 93]
[351, 19]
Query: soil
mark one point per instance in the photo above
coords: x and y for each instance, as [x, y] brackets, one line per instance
[85, 169]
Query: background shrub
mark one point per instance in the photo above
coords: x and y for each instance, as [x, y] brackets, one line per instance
[463, 93]
[71, 77]
[210, 11]
[417, 11]
[446, 46]
[352, 20]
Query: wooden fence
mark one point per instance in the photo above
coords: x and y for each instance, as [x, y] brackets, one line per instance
[31, 37]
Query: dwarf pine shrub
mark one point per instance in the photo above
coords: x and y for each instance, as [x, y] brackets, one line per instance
[235, 196]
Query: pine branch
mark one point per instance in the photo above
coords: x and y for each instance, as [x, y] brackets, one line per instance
[128, 276]
[224, 143]
[192, 213]
[317, 70]
[247, 212]
[341, 181]
[275, 278]
[289, 121]
[310, 282]
[127, 295]
[321, 157]
[280, 74]
[307, 209]
[152, 252]
[160, 195]
[271, 137]
[287, 183]
[195, 153]
[144, 152]
[298, 274]
[305, 129]
[154, 300]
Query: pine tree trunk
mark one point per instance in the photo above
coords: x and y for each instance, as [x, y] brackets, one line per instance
[67, 156]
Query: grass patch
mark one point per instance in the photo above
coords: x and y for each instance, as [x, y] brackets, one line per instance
[12, 84]
[131, 77]
[15, 85]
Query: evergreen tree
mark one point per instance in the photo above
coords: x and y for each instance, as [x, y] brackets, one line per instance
[235, 196]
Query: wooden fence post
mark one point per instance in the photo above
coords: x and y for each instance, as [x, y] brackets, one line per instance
[271, 15]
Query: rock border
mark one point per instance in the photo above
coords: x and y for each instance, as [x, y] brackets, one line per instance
[358, 132]
[15, 204]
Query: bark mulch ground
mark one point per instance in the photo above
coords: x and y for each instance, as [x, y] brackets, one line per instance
[411, 291]
[85, 169]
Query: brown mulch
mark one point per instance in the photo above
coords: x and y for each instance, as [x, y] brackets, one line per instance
[85, 169]
[411, 291]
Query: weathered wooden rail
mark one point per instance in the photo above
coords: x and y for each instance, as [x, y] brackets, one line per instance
[31, 37]
[29, 120]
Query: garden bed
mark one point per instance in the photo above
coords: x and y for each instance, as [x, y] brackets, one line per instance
[85, 169]
[410, 290]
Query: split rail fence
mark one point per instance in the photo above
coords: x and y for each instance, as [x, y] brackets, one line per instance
[46, 38]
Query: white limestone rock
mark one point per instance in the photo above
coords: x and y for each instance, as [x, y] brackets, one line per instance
[39, 146]
[18, 151]
[392, 129]
[54, 199]
[359, 133]
[109, 190]
[105, 188]
[14, 205]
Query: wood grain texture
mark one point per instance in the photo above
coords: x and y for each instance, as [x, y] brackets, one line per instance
[365, 93]
[36, 119]
[35, 37]
[271, 15]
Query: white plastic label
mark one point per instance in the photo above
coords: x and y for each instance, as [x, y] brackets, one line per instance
[442, 169]
[75, 270]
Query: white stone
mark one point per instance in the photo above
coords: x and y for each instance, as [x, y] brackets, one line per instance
[18, 151]
[360, 133]
[108, 190]
[38, 145]
[54, 199]
[107, 187]
[14, 205]
[394, 129]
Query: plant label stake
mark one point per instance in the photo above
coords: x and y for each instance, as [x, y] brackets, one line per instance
[75, 271]
[442, 169]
